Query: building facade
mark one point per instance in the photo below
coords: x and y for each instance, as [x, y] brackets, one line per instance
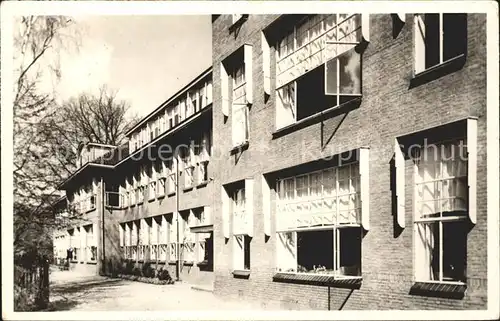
[337, 161]
[330, 195]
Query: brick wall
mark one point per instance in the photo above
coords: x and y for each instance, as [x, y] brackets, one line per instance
[389, 109]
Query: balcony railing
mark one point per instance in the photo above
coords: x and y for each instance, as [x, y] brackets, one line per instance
[85, 205]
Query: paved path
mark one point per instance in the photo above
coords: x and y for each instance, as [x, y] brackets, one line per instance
[75, 292]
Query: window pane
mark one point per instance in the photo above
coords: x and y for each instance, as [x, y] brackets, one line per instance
[315, 251]
[246, 263]
[350, 73]
[331, 76]
[432, 40]
[286, 252]
[330, 21]
[302, 33]
[427, 252]
[454, 35]
[350, 251]
[454, 251]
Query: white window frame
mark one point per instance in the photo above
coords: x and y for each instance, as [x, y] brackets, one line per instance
[282, 227]
[419, 222]
[419, 46]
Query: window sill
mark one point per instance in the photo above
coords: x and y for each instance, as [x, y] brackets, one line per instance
[313, 119]
[139, 203]
[170, 194]
[172, 262]
[439, 289]
[140, 261]
[239, 148]
[187, 189]
[202, 184]
[151, 199]
[438, 71]
[322, 280]
[161, 262]
[241, 274]
[160, 196]
[73, 261]
[92, 262]
[188, 263]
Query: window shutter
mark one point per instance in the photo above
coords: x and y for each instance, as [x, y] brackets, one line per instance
[266, 206]
[472, 166]
[225, 212]
[364, 165]
[399, 161]
[249, 206]
[266, 65]
[365, 26]
[419, 31]
[224, 83]
[248, 73]
[121, 235]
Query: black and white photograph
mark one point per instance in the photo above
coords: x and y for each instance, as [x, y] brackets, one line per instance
[248, 159]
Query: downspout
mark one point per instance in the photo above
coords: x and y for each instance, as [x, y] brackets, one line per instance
[177, 265]
[103, 251]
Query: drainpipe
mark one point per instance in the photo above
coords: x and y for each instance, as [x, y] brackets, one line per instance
[177, 191]
[103, 251]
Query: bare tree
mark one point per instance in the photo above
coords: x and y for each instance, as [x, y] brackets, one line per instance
[37, 43]
[100, 118]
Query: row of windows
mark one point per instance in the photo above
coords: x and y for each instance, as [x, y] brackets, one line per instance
[184, 107]
[318, 65]
[319, 225]
[155, 238]
[81, 243]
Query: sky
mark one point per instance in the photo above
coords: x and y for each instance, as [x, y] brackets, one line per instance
[145, 59]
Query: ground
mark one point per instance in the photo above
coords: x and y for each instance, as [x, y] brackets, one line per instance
[70, 291]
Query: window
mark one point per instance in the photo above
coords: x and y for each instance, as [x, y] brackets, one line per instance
[319, 222]
[439, 37]
[152, 190]
[188, 240]
[172, 238]
[318, 67]
[441, 212]
[162, 226]
[237, 91]
[241, 253]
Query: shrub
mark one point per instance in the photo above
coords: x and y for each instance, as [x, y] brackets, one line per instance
[128, 267]
[136, 271]
[147, 270]
[163, 275]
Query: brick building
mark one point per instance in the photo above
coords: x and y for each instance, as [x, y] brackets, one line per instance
[339, 163]
[149, 199]
[329, 196]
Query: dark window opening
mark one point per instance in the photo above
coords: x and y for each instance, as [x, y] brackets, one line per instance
[454, 254]
[311, 98]
[432, 40]
[454, 35]
[450, 32]
[350, 251]
[246, 248]
[315, 251]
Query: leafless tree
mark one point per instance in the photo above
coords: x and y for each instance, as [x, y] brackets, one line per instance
[47, 134]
